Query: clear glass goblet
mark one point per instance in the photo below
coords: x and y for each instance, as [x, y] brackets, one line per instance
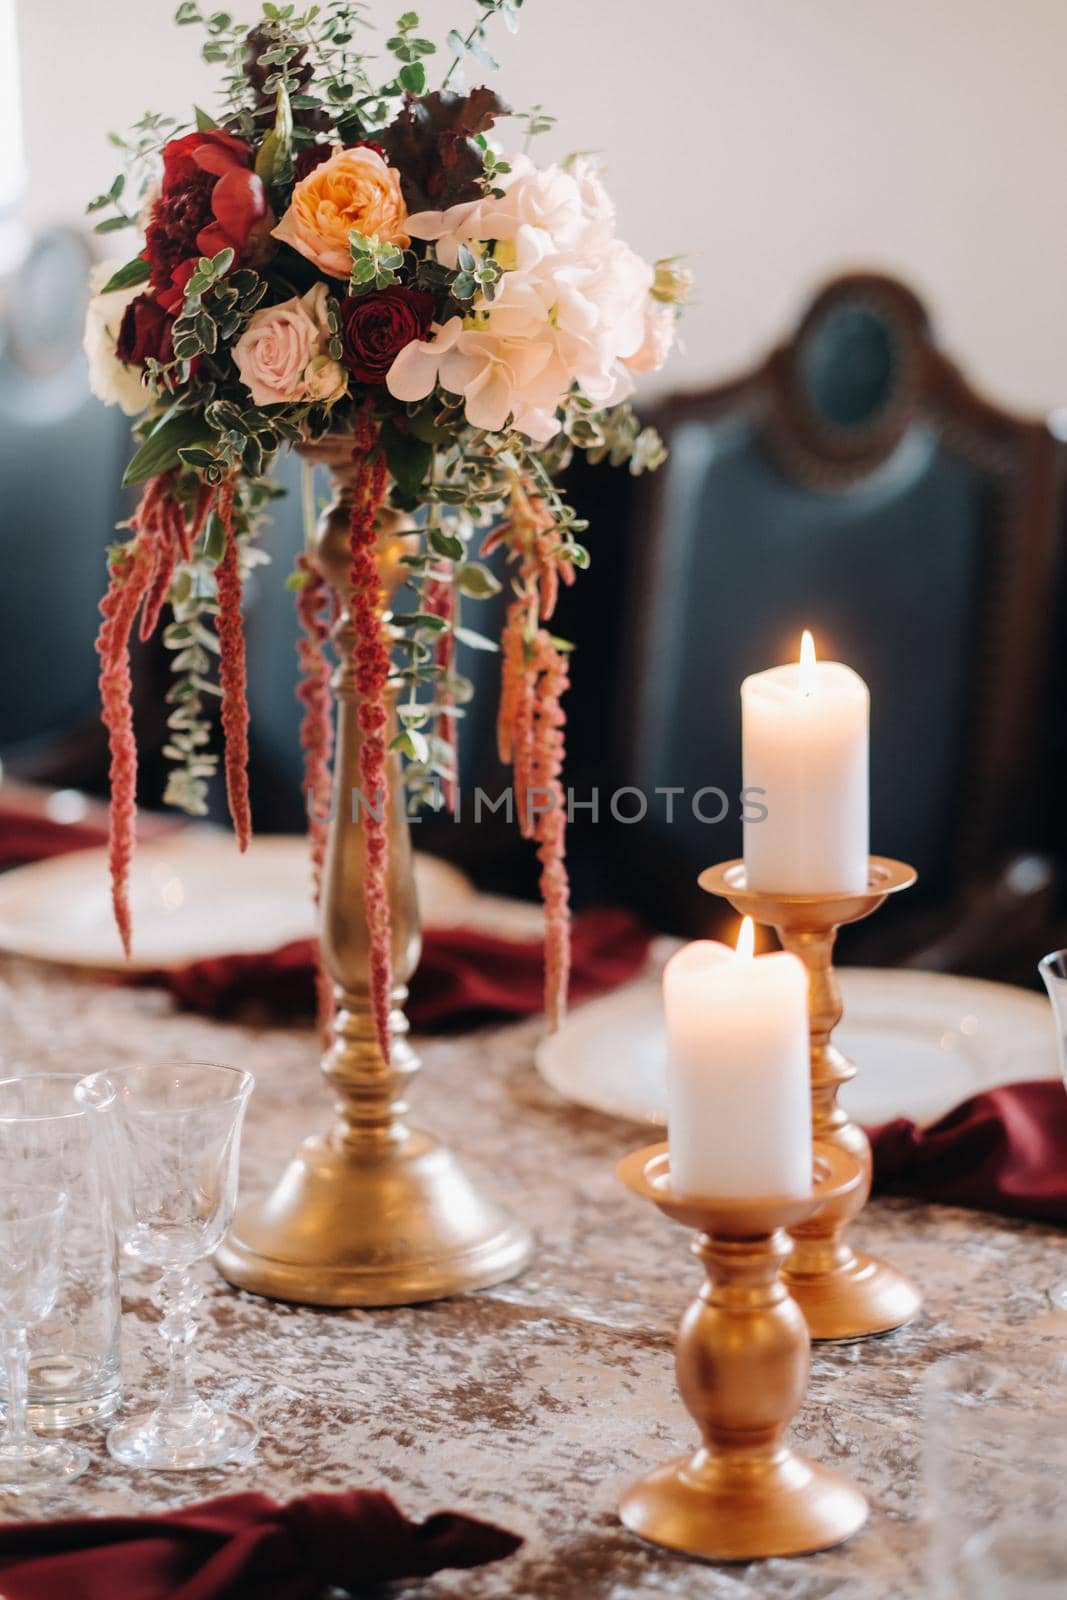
[169, 1138]
[1053, 970]
[1025, 1562]
[31, 1263]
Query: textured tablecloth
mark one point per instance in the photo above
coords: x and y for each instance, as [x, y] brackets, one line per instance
[535, 1403]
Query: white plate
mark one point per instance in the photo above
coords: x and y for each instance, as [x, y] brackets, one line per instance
[923, 1041]
[193, 896]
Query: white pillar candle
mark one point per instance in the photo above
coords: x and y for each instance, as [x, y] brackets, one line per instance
[738, 1082]
[804, 742]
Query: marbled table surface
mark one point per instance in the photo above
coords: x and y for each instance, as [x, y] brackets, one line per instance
[532, 1404]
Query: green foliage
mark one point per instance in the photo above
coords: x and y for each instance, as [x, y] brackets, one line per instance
[113, 200]
[409, 461]
[472, 44]
[538, 121]
[406, 44]
[160, 450]
[376, 264]
[216, 305]
[192, 642]
[127, 277]
[274, 159]
[478, 275]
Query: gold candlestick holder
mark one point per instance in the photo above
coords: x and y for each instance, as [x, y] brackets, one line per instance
[843, 1293]
[375, 1212]
[743, 1357]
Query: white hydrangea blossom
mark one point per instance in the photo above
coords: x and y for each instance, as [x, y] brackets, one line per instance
[570, 306]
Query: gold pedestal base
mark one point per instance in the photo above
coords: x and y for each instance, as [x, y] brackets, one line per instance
[861, 1295]
[702, 1506]
[742, 1364]
[387, 1227]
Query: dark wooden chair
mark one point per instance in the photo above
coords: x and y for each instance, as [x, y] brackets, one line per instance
[854, 483]
[62, 455]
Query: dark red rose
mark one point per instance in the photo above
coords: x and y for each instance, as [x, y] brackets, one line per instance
[376, 327]
[306, 160]
[145, 331]
[313, 155]
[210, 199]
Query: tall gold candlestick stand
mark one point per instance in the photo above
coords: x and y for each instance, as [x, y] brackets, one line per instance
[843, 1293]
[742, 1361]
[374, 1213]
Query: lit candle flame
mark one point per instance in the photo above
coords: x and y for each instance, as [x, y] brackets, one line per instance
[807, 663]
[746, 939]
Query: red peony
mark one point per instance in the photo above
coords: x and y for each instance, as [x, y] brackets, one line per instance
[376, 327]
[210, 200]
[144, 332]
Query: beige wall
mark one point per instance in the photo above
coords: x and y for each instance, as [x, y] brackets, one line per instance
[777, 141]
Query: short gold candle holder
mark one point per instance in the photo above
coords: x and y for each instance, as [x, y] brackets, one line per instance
[843, 1293]
[743, 1357]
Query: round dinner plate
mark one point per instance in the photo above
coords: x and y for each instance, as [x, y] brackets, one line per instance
[193, 896]
[923, 1041]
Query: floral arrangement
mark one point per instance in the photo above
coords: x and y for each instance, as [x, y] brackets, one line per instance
[334, 254]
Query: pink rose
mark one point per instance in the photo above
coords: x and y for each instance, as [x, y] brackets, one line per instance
[355, 188]
[278, 345]
[660, 320]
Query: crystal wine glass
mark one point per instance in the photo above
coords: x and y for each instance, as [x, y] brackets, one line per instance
[31, 1259]
[1053, 970]
[169, 1138]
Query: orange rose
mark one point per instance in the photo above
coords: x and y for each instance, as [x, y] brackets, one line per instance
[354, 189]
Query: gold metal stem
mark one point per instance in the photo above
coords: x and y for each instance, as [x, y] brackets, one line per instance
[742, 1363]
[843, 1293]
[374, 1213]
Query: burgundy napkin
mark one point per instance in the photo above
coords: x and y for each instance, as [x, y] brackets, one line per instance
[1004, 1150]
[240, 1546]
[464, 976]
[26, 837]
[28, 833]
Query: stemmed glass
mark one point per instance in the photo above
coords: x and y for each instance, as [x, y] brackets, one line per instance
[996, 1476]
[169, 1138]
[31, 1259]
[1053, 970]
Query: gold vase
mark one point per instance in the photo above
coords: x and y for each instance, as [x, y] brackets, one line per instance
[374, 1213]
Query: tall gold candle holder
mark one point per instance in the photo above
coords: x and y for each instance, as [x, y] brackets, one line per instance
[742, 1362]
[843, 1293]
[375, 1213]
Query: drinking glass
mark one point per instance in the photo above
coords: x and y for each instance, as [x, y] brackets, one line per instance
[169, 1136]
[996, 1476]
[31, 1255]
[1053, 970]
[74, 1370]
